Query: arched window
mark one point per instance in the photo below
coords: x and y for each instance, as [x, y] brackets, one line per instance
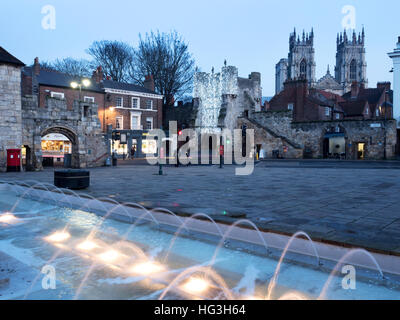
[353, 70]
[303, 69]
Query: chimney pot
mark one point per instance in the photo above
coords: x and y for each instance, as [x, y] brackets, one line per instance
[149, 82]
[36, 66]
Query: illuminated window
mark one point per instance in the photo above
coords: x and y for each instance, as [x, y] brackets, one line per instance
[290, 106]
[149, 123]
[119, 123]
[337, 116]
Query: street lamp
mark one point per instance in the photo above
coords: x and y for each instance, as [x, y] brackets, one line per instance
[84, 83]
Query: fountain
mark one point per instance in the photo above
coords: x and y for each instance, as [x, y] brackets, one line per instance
[104, 249]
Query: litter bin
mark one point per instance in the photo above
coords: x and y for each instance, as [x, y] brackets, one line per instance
[72, 179]
[67, 160]
[13, 160]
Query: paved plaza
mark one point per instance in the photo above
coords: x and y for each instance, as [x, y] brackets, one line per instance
[354, 204]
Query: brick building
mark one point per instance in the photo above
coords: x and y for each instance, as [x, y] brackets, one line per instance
[120, 109]
[130, 112]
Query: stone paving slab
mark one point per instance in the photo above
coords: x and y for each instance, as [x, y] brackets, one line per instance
[356, 206]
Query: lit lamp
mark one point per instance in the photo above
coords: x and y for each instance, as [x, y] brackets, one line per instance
[84, 83]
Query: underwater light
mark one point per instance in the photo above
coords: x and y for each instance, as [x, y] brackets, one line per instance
[147, 268]
[196, 285]
[58, 236]
[109, 256]
[8, 218]
[87, 245]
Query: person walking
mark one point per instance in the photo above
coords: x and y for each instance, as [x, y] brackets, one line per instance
[133, 151]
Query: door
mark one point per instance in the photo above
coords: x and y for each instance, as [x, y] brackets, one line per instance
[360, 151]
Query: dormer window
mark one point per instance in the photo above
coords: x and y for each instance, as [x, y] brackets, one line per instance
[367, 111]
[337, 116]
[377, 112]
[290, 106]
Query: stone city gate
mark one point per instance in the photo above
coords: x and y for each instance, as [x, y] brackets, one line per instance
[80, 125]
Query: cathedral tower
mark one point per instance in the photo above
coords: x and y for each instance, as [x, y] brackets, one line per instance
[350, 60]
[301, 63]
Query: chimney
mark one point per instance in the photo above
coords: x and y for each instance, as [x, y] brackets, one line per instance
[98, 75]
[384, 85]
[355, 89]
[36, 66]
[300, 98]
[149, 82]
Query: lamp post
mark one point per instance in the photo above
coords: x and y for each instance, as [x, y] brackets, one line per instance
[84, 83]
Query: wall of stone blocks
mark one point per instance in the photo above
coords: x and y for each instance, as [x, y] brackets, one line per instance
[10, 111]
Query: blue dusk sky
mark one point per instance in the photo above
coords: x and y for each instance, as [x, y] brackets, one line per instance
[250, 34]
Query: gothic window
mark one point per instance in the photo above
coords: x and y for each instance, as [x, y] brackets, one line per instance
[353, 70]
[303, 69]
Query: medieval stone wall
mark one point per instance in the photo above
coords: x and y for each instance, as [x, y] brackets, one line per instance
[81, 125]
[309, 136]
[10, 111]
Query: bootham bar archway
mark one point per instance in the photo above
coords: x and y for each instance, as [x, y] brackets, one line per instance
[72, 137]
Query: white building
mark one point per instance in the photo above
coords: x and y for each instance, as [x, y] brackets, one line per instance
[395, 55]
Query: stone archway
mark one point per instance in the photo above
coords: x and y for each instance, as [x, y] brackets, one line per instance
[72, 136]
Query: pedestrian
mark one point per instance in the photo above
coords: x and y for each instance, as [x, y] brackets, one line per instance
[133, 150]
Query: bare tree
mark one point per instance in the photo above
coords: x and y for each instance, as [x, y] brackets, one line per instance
[166, 57]
[115, 57]
[81, 68]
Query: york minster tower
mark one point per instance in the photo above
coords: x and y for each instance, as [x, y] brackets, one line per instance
[350, 60]
[350, 67]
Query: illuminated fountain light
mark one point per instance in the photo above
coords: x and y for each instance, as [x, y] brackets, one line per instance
[87, 245]
[8, 218]
[195, 285]
[148, 268]
[59, 236]
[109, 256]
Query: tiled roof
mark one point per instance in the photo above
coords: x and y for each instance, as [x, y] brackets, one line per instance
[58, 79]
[7, 58]
[353, 108]
[109, 84]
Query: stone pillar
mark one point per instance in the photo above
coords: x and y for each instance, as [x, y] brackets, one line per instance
[395, 55]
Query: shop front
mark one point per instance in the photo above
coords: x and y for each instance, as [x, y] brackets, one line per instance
[54, 149]
[132, 144]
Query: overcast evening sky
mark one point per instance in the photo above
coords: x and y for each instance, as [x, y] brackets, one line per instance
[250, 34]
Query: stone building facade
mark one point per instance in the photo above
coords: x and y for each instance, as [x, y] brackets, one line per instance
[277, 134]
[305, 122]
[10, 105]
[82, 129]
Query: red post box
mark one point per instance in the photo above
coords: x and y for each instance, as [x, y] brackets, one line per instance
[13, 160]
